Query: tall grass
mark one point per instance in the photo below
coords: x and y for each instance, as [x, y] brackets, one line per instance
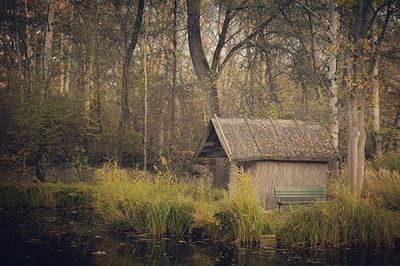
[383, 185]
[389, 161]
[160, 205]
[242, 217]
[155, 205]
[341, 221]
[46, 195]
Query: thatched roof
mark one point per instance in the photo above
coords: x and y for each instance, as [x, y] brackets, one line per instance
[247, 139]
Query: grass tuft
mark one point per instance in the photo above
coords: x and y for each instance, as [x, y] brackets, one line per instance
[341, 221]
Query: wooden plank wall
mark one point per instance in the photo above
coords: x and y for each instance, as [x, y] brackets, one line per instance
[268, 174]
[222, 172]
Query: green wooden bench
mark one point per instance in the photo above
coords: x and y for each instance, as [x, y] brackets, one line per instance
[298, 195]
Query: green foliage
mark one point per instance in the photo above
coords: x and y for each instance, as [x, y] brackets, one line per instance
[341, 221]
[51, 130]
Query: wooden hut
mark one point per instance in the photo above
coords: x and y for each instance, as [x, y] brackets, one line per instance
[274, 153]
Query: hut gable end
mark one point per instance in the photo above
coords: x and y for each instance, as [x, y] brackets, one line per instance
[250, 139]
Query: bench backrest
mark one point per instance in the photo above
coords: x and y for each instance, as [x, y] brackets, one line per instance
[299, 192]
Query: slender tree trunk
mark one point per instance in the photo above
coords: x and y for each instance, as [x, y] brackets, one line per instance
[67, 76]
[376, 122]
[48, 47]
[331, 75]
[145, 97]
[312, 35]
[89, 86]
[62, 64]
[125, 81]
[29, 51]
[397, 126]
[174, 77]
[333, 87]
[374, 71]
[63, 46]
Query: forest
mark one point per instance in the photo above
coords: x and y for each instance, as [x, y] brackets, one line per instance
[103, 101]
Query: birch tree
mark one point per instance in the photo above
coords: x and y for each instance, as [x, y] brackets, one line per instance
[377, 36]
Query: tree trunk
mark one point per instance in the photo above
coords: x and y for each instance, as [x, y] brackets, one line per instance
[397, 126]
[89, 84]
[203, 72]
[145, 97]
[67, 76]
[62, 64]
[332, 83]
[48, 47]
[174, 77]
[374, 79]
[358, 93]
[331, 75]
[376, 123]
[29, 51]
[125, 81]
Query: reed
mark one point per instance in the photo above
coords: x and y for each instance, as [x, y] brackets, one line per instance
[341, 221]
[155, 205]
[46, 195]
[389, 161]
[383, 185]
[241, 218]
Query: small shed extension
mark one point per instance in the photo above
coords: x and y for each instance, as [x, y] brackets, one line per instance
[273, 152]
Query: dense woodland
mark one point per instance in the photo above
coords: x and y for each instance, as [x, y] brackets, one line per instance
[135, 82]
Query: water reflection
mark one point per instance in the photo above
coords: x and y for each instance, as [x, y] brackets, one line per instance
[49, 237]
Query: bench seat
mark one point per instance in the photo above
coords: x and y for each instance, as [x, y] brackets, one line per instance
[298, 195]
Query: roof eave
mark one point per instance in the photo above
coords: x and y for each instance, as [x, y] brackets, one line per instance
[284, 159]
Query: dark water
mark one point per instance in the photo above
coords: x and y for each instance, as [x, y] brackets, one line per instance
[51, 237]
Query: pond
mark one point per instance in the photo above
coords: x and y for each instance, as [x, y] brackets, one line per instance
[51, 237]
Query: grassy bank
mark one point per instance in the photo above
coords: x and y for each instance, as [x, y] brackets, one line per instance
[46, 195]
[155, 205]
[342, 221]
[159, 205]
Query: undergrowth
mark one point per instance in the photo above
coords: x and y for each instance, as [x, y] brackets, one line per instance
[159, 205]
[46, 195]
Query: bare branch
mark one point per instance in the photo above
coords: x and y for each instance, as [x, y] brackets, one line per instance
[247, 39]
